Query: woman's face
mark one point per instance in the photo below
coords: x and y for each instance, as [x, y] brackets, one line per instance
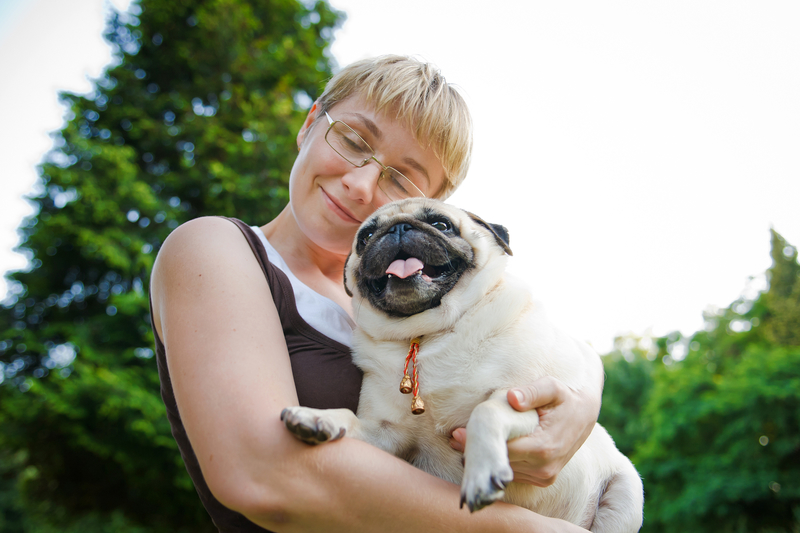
[330, 197]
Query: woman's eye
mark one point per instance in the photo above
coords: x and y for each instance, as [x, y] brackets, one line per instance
[441, 226]
[352, 145]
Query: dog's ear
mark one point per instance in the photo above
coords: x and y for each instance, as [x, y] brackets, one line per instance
[499, 231]
[350, 294]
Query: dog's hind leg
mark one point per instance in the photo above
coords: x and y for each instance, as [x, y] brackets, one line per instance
[486, 466]
[619, 508]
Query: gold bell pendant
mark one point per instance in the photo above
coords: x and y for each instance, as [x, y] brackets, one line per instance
[405, 385]
[417, 406]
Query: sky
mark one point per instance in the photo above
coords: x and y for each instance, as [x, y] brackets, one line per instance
[638, 152]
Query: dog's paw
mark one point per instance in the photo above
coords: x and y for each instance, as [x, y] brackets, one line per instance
[311, 425]
[483, 484]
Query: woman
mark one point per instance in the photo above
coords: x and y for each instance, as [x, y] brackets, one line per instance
[251, 320]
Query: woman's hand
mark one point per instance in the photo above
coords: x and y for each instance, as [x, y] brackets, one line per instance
[566, 418]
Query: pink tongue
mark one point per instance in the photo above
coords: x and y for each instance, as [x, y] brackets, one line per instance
[402, 268]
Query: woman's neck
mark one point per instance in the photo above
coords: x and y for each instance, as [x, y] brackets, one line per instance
[320, 269]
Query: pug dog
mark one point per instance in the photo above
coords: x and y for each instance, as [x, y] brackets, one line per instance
[438, 315]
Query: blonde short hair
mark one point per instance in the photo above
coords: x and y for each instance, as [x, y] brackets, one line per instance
[433, 109]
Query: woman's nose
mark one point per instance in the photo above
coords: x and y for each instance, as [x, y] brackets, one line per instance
[362, 183]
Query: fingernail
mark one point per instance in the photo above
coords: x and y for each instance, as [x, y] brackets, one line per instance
[518, 395]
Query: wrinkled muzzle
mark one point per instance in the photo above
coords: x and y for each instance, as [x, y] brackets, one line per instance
[409, 267]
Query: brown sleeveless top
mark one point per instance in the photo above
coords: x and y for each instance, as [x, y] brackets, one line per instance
[324, 375]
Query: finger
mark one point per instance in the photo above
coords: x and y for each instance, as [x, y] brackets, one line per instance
[458, 439]
[540, 393]
[537, 451]
[524, 449]
[534, 461]
[524, 474]
[521, 475]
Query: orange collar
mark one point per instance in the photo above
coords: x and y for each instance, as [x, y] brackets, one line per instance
[409, 385]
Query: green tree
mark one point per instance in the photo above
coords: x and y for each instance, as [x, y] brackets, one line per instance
[782, 304]
[629, 382]
[718, 440]
[197, 116]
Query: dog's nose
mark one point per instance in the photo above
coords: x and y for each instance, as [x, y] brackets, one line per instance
[401, 228]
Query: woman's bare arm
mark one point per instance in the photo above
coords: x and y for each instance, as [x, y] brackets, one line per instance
[231, 376]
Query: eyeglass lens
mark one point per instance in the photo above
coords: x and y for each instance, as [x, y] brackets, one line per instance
[348, 144]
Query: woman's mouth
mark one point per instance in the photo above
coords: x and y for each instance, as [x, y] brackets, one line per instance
[341, 211]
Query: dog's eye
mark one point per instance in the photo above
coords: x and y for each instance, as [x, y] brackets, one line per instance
[366, 236]
[441, 225]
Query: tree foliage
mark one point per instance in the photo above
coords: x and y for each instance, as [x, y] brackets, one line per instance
[717, 436]
[629, 382]
[197, 116]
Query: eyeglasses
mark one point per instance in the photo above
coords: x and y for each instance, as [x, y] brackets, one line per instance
[355, 150]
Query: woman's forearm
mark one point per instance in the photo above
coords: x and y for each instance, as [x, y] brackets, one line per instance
[350, 486]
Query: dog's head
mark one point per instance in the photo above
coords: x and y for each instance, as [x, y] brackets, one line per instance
[414, 256]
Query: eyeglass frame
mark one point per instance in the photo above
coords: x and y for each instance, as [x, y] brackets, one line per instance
[384, 168]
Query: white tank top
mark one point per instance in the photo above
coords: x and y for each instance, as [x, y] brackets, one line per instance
[321, 313]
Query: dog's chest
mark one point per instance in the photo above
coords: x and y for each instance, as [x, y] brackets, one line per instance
[447, 404]
[445, 383]
[421, 439]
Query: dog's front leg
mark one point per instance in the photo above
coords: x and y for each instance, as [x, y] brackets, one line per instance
[315, 426]
[486, 467]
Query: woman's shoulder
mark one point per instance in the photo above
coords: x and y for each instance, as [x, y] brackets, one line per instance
[204, 231]
[207, 254]
[207, 240]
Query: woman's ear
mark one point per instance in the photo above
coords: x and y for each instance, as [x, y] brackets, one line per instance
[312, 116]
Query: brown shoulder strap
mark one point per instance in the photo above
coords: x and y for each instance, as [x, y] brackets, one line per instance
[255, 243]
[282, 291]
